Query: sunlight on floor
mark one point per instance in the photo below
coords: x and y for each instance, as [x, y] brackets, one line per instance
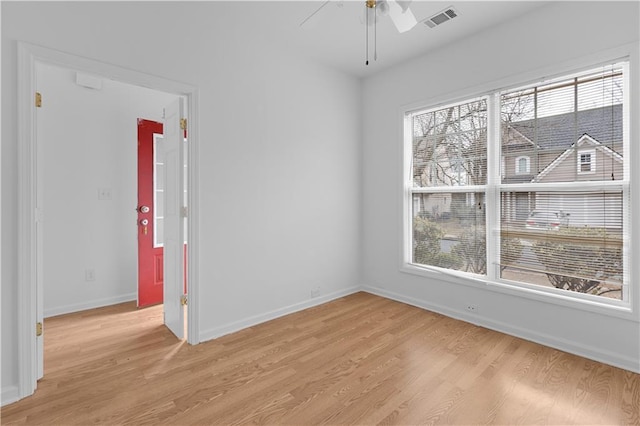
[161, 366]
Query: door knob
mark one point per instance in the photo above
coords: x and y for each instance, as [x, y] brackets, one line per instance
[143, 209]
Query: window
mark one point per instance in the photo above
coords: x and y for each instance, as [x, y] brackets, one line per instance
[449, 175]
[587, 161]
[559, 229]
[522, 164]
[158, 190]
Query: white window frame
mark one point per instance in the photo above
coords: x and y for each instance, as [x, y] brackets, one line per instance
[592, 161]
[410, 191]
[527, 168]
[157, 138]
[493, 189]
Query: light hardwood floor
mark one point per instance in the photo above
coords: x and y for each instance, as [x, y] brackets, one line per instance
[361, 359]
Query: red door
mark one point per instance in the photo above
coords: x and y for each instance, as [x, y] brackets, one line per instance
[150, 266]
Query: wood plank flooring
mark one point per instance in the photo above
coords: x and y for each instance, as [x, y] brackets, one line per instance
[361, 359]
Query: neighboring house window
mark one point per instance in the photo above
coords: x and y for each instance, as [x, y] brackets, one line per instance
[587, 161]
[449, 175]
[522, 164]
[558, 232]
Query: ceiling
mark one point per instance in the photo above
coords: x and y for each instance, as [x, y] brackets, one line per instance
[335, 35]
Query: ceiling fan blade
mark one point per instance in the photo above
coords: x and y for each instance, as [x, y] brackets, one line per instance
[404, 4]
[316, 11]
[404, 20]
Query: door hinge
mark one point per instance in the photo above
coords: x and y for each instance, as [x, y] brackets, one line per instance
[38, 329]
[38, 100]
[183, 211]
[183, 299]
[183, 123]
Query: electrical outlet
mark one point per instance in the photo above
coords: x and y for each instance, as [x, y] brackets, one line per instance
[89, 275]
[315, 292]
[472, 308]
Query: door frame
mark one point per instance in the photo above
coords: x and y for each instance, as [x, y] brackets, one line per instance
[30, 208]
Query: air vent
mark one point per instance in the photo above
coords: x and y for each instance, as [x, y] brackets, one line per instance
[441, 17]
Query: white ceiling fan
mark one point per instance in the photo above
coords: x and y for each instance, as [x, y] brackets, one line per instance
[397, 10]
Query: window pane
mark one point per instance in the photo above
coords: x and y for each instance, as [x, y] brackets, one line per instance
[568, 240]
[158, 191]
[450, 146]
[158, 236]
[449, 231]
[553, 123]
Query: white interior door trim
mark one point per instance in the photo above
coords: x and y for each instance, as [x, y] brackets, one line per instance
[28, 270]
[29, 196]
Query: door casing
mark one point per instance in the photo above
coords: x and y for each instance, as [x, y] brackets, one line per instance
[29, 308]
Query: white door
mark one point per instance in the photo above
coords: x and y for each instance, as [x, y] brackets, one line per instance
[173, 153]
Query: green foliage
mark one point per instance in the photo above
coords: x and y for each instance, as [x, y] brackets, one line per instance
[426, 250]
[426, 237]
[469, 254]
[510, 251]
[581, 261]
[472, 250]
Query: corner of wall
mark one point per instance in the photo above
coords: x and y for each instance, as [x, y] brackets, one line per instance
[214, 333]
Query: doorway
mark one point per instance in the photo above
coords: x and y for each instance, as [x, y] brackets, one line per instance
[91, 188]
[33, 190]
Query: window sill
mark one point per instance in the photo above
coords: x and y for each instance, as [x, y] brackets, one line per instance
[530, 292]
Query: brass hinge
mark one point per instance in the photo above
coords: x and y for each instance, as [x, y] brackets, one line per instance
[38, 329]
[38, 100]
[183, 299]
[183, 123]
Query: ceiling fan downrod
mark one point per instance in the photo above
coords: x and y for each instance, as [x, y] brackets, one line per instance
[370, 8]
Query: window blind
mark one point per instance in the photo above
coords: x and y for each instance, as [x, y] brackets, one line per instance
[563, 223]
[449, 176]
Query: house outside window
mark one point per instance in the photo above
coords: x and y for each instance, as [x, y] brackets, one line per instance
[523, 165]
[559, 229]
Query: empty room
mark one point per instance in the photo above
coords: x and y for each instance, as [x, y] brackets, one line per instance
[320, 212]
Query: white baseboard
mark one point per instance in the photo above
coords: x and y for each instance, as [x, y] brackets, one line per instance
[590, 352]
[90, 304]
[268, 316]
[10, 395]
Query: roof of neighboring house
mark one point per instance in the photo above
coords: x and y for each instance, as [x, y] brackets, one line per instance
[584, 140]
[513, 139]
[562, 131]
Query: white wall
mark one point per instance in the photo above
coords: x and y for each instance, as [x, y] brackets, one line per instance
[89, 141]
[549, 40]
[279, 152]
